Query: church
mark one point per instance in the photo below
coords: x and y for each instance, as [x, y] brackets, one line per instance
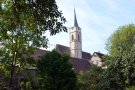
[81, 60]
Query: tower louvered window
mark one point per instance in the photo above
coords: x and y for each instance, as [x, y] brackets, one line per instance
[72, 37]
[78, 38]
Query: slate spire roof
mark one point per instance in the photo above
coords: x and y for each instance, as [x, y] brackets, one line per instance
[75, 19]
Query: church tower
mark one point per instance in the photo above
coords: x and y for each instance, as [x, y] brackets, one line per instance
[75, 40]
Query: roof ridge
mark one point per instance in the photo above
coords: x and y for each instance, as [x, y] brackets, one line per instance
[61, 45]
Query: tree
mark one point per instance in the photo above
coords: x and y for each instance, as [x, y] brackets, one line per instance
[123, 38]
[22, 27]
[89, 80]
[120, 63]
[56, 73]
[120, 72]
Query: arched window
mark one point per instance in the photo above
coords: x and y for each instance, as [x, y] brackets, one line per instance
[72, 37]
[78, 38]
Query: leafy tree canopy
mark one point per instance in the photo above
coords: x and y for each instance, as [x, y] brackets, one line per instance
[120, 72]
[123, 38]
[22, 27]
[89, 80]
[29, 19]
[56, 73]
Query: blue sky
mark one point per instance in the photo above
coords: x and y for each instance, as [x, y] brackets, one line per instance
[98, 20]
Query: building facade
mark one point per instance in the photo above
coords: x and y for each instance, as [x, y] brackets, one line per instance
[96, 59]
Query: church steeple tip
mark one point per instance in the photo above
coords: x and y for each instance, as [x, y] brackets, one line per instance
[75, 19]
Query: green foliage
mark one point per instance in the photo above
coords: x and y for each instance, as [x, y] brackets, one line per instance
[89, 80]
[131, 88]
[25, 85]
[56, 73]
[120, 64]
[123, 38]
[119, 74]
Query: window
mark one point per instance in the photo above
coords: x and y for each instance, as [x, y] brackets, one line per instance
[72, 37]
[78, 38]
[95, 55]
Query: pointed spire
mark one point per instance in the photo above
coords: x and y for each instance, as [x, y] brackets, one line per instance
[75, 19]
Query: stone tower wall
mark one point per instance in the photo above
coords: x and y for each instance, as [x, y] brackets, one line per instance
[75, 42]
